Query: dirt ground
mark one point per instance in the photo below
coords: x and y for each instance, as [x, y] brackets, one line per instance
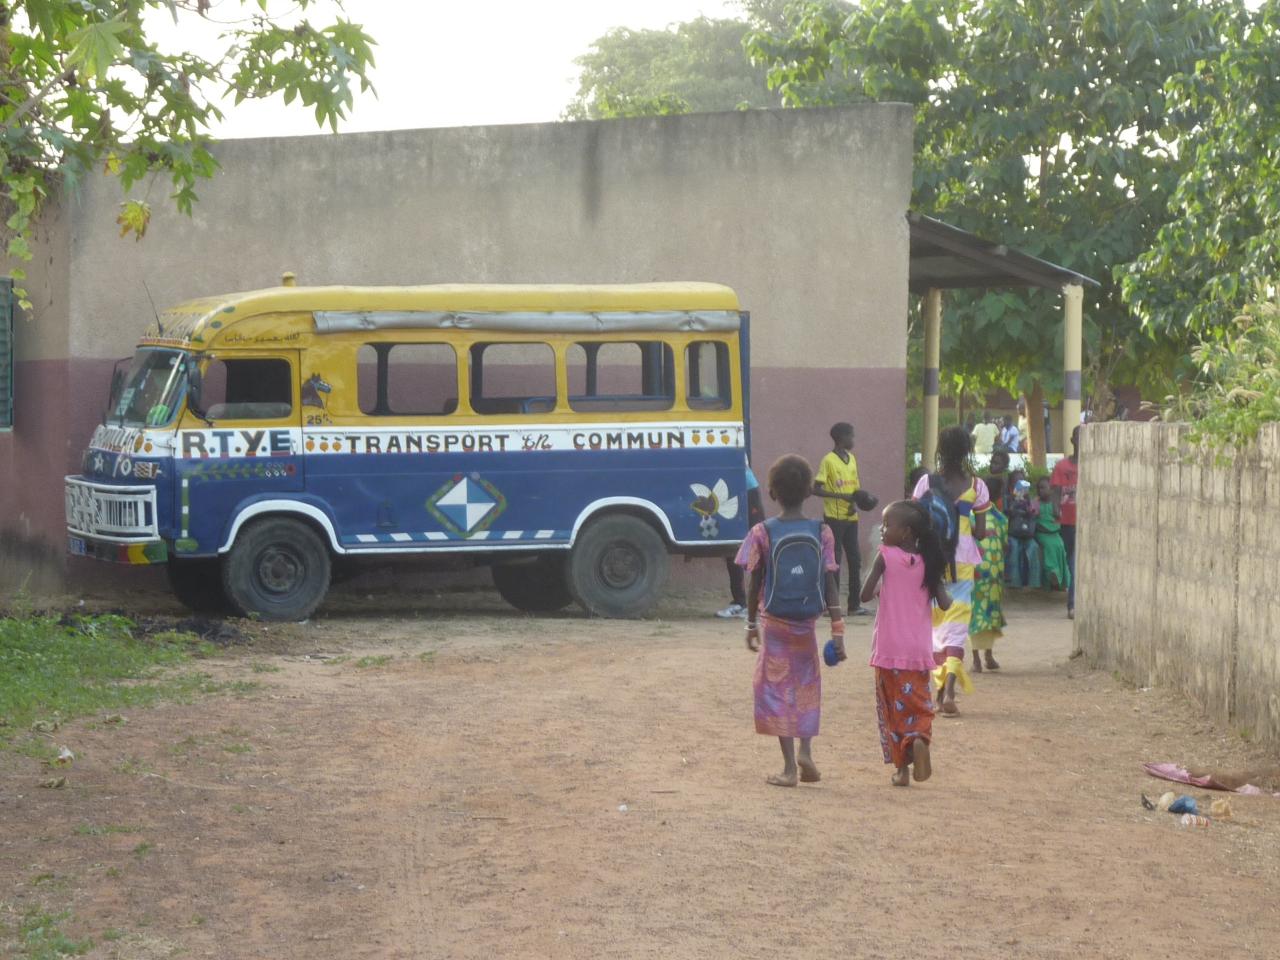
[455, 780]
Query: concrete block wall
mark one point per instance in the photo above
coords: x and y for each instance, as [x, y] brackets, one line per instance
[1257, 696]
[1176, 560]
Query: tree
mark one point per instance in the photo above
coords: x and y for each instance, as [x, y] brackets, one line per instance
[693, 67]
[1045, 124]
[1222, 238]
[84, 86]
[1236, 385]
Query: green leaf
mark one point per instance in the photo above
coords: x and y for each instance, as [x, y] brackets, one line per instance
[18, 248]
[135, 215]
[96, 46]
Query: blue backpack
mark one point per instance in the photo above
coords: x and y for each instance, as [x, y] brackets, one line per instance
[944, 517]
[793, 578]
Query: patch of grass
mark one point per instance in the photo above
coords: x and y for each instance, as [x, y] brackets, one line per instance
[88, 664]
[187, 744]
[196, 646]
[142, 849]
[1124, 681]
[41, 937]
[184, 688]
[239, 808]
[133, 766]
[374, 661]
[237, 748]
[427, 656]
[103, 830]
[237, 688]
[113, 872]
[111, 934]
[334, 661]
[36, 748]
[257, 666]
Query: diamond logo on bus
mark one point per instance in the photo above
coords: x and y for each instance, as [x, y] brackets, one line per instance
[467, 505]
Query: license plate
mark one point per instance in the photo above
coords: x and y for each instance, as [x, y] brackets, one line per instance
[77, 546]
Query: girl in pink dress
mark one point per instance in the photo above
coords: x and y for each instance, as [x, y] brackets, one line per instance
[787, 683]
[912, 565]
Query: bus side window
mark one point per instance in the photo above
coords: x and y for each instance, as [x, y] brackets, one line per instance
[615, 377]
[709, 383]
[252, 388]
[513, 378]
[412, 379]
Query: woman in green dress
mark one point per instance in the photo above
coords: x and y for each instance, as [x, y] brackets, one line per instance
[986, 623]
[1053, 552]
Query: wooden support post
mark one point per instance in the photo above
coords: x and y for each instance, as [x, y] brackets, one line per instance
[1036, 438]
[1072, 348]
[932, 358]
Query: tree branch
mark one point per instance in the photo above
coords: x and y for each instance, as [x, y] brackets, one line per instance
[32, 101]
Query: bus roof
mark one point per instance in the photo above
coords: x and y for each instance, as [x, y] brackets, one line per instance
[204, 320]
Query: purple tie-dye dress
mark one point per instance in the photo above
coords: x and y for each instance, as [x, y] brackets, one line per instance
[788, 680]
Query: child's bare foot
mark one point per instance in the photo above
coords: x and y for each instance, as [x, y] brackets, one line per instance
[921, 767]
[991, 662]
[784, 779]
[949, 708]
[977, 663]
[808, 770]
[901, 777]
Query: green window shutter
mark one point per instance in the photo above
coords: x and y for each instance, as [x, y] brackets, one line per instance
[6, 353]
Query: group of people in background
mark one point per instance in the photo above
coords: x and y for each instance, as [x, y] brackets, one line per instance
[1040, 523]
[998, 434]
[946, 554]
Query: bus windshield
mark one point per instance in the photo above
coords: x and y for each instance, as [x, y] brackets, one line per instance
[150, 394]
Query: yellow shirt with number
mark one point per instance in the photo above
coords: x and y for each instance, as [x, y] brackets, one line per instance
[836, 476]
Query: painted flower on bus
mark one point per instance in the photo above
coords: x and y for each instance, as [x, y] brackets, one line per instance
[713, 502]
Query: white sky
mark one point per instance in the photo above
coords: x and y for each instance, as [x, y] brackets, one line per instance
[444, 63]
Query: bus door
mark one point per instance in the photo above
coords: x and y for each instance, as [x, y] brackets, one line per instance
[240, 440]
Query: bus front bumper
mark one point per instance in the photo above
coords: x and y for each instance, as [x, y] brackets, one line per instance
[156, 551]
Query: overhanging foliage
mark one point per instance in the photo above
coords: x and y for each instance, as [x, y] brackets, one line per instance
[84, 88]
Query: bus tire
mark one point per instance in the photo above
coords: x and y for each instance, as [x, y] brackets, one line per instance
[197, 584]
[278, 569]
[618, 567]
[540, 586]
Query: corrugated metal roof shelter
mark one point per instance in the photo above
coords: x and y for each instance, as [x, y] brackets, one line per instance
[948, 258]
[944, 257]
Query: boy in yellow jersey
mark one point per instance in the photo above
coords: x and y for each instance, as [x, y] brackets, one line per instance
[836, 482]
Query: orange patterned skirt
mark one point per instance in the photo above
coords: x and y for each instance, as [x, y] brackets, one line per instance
[904, 707]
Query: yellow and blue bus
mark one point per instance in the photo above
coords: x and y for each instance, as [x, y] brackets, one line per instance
[570, 437]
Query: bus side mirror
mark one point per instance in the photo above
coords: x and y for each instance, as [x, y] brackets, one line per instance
[194, 384]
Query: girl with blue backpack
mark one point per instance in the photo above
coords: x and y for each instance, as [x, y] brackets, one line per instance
[790, 561]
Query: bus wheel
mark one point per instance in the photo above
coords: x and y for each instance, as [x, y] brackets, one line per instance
[618, 567]
[198, 585]
[278, 569]
[539, 586]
